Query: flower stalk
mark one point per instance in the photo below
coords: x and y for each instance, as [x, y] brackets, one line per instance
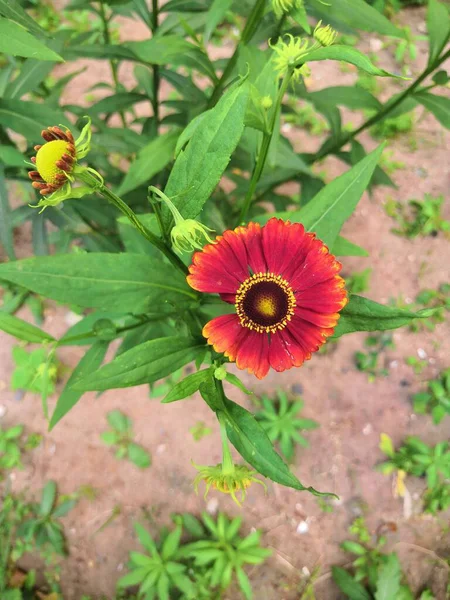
[264, 150]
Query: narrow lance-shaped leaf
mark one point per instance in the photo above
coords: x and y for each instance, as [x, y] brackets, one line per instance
[69, 397]
[29, 118]
[23, 330]
[149, 161]
[16, 41]
[200, 166]
[6, 229]
[349, 55]
[362, 314]
[127, 282]
[12, 9]
[253, 444]
[438, 25]
[356, 13]
[187, 386]
[438, 105]
[145, 363]
[326, 213]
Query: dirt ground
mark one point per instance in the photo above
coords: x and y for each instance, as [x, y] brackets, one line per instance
[351, 411]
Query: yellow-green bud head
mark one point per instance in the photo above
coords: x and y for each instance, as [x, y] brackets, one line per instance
[188, 235]
[220, 373]
[289, 54]
[266, 102]
[326, 36]
[238, 479]
[281, 7]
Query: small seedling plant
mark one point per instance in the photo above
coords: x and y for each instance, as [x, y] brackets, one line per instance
[120, 437]
[12, 447]
[419, 217]
[374, 575]
[436, 399]
[280, 419]
[416, 458]
[134, 224]
[31, 528]
[368, 362]
[200, 568]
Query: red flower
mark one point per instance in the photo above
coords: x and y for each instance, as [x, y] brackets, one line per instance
[286, 289]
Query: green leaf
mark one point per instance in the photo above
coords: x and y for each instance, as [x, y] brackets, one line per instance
[351, 588]
[48, 498]
[326, 213]
[11, 9]
[200, 166]
[438, 105]
[134, 578]
[252, 443]
[100, 51]
[171, 543]
[162, 49]
[68, 398]
[6, 228]
[214, 17]
[16, 41]
[145, 363]
[139, 456]
[353, 97]
[244, 583]
[28, 118]
[438, 25]
[11, 157]
[119, 421]
[353, 547]
[31, 74]
[386, 445]
[362, 314]
[343, 247]
[116, 103]
[187, 386]
[389, 577]
[358, 14]
[150, 160]
[127, 282]
[349, 55]
[23, 330]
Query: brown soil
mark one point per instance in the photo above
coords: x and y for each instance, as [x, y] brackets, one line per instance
[351, 411]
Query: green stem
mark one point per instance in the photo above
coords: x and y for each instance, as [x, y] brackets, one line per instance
[112, 62]
[101, 189]
[82, 336]
[227, 459]
[249, 31]
[264, 150]
[156, 76]
[381, 114]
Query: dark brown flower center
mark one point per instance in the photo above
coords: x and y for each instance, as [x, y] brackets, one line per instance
[265, 302]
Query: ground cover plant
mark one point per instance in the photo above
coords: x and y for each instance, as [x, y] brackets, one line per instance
[180, 270]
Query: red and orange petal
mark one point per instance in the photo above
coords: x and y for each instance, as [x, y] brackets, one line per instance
[304, 266]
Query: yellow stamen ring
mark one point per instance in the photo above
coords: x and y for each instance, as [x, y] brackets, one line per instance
[265, 303]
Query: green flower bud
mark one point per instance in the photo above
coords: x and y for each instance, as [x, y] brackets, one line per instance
[326, 36]
[187, 234]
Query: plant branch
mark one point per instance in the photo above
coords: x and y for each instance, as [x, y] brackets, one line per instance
[264, 150]
[112, 62]
[250, 28]
[102, 190]
[382, 113]
[156, 76]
